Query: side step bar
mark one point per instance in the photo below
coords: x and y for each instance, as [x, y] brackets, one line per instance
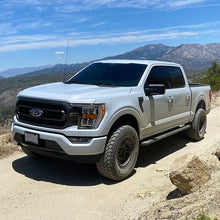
[163, 135]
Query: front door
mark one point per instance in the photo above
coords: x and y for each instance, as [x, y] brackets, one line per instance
[157, 108]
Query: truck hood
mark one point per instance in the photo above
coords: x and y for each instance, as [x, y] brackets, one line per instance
[74, 93]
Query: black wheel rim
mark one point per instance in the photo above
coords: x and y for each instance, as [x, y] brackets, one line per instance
[125, 149]
[202, 124]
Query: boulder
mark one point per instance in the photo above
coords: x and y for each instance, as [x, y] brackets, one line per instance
[189, 173]
[211, 161]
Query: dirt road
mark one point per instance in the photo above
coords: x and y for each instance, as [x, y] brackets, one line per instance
[55, 189]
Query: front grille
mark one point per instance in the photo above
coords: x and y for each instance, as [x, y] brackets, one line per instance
[54, 114]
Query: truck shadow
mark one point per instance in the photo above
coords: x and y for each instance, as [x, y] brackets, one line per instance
[74, 174]
[59, 171]
[158, 150]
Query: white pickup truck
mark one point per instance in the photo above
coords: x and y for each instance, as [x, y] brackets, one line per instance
[107, 110]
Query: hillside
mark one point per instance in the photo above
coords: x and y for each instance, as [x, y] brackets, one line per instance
[18, 71]
[191, 56]
[10, 87]
[57, 69]
[148, 52]
[212, 76]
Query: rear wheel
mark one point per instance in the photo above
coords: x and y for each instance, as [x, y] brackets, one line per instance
[198, 125]
[121, 152]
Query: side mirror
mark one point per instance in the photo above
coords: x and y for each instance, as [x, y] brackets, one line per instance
[154, 89]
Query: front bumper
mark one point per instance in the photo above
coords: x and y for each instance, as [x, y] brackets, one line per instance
[94, 147]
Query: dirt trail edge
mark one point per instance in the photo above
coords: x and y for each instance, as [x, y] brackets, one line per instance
[55, 189]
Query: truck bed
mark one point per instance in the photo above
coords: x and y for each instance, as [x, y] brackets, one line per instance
[197, 85]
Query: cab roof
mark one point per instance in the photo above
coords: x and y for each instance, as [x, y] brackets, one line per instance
[146, 62]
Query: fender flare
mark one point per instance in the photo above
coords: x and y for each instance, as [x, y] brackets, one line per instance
[121, 112]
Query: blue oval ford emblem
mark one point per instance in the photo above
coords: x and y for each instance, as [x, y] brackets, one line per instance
[36, 112]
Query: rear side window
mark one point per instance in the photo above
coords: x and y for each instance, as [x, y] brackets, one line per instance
[175, 77]
[157, 75]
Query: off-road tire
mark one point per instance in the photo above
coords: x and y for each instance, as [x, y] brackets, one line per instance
[198, 125]
[121, 152]
[30, 153]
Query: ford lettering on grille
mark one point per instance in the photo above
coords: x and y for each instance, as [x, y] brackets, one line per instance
[36, 112]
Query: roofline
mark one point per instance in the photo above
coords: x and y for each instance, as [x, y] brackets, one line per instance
[147, 62]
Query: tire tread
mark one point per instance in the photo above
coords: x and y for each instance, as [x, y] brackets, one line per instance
[106, 163]
[192, 133]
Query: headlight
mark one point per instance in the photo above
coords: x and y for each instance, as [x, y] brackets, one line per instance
[90, 116]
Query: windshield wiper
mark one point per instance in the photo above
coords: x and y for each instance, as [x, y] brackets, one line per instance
[103, 84]
[97, 84]
[74, 81]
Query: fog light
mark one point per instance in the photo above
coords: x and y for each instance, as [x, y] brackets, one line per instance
[79, 140]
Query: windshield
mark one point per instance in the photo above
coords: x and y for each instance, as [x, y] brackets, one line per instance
[110, 74]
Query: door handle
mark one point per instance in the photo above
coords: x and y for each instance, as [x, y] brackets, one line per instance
[188, 98]
[170, 99]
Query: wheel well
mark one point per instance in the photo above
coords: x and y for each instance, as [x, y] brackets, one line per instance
[201, 105]
[126, 120]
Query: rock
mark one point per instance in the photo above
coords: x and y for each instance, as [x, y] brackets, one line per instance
[141, 195]
[211, 161]
[188, 173]
[217, 153]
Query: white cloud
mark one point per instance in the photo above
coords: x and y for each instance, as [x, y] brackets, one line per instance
[23, 39]
[61, 52]
[124, 38]
[27, 42]
[83, 5]
[98, 24]
[180, 3]
[6, 29]
[81, 20]
[33, 25]
[67, 6]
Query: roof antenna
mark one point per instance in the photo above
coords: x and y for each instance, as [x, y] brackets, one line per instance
[65, 73]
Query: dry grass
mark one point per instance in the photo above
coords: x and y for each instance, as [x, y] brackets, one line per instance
[4, 131]
[215, 99]
[7, 144]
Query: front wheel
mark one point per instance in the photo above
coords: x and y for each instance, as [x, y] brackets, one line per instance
[198, 125]
[121, 152]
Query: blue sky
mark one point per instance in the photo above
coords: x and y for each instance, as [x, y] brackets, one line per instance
[36, 32]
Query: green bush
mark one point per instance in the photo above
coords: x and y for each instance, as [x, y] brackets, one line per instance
[204, 217]
[212, 76]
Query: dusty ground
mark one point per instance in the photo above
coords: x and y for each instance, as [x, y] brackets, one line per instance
[54, 189]
[7, 144]
[205, 200]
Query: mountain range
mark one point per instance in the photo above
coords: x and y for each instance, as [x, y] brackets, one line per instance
[19, 71]
[190, 56]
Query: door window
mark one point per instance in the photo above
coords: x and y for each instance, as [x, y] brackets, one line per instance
[175, 77]
[157, 75]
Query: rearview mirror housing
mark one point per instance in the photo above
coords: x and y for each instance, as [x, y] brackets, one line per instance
[154, 89]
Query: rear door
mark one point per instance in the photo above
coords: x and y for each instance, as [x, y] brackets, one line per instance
[179, 96]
